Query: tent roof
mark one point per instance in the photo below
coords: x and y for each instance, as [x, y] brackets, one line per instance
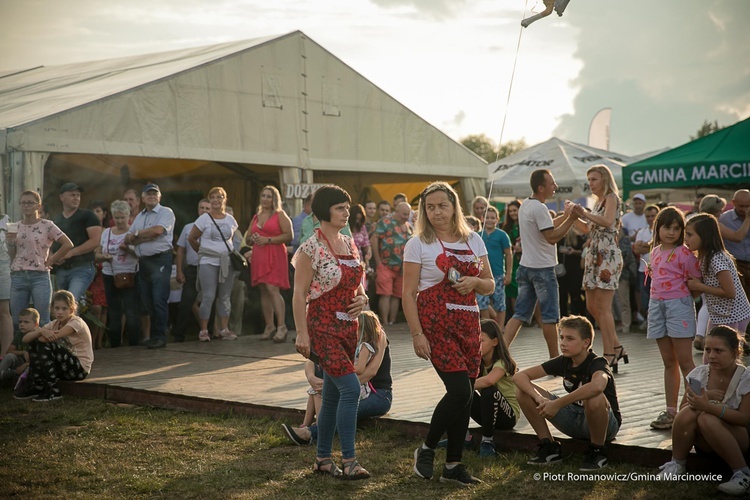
[281, 101]
[721, 158]
[568, 162]
[30, 94]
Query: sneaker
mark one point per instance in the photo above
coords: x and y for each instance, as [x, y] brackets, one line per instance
[739, 484]
[639, 318]
[203, 336]
[487, 449]
[8, 374]
[424, 462]
[458, 475]
[46, 397]
[670, 470]
[227, 335]
[594, 459]
[27, 393]
[550, 452]
[663, 421]
[296, 438]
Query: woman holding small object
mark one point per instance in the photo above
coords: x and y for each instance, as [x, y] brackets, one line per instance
[445, 266]
[328, 298]
[715, 411]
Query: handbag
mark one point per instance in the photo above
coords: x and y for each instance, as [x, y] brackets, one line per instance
[124, 280]
[239, 262]
[560, 270]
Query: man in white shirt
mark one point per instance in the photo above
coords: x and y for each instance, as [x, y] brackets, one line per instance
[635, 220]
[642, 249]
[536, 272]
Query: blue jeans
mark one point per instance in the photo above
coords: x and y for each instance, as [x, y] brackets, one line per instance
[154, 273]
[27, 286]
[338, 412]
[76, 280]
[376, 405]
[121, 301]
[571, 421]
[537, 285]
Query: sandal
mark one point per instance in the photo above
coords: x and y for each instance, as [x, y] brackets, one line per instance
[333, 471]
[622, 355]
[353, 471]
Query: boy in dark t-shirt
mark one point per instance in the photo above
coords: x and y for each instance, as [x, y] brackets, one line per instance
[590, 409]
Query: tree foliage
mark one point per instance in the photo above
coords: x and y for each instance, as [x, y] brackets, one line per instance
[486, 148]
[707, 128]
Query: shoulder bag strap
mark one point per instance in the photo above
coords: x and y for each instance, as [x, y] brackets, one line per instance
[221, 233]
[734, 383]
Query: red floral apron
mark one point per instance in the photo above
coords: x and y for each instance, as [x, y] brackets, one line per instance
[449, 320]
[333, 333]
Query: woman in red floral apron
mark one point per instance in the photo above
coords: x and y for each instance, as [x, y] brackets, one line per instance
[328, 298]
[445, 266]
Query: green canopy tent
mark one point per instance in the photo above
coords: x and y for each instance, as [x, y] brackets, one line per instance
[720, 161]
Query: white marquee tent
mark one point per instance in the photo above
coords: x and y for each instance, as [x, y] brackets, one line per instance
[568, 162]
[280, 105]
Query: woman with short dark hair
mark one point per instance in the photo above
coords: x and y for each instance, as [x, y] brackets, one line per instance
[328, 298]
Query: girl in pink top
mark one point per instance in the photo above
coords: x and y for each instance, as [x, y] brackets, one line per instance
[671, 310]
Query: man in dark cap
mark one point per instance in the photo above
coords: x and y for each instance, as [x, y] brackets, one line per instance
[151, 234]
[84, 229]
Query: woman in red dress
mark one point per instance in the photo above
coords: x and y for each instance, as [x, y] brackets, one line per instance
[445, 266]
[268, 234]
[328, 298]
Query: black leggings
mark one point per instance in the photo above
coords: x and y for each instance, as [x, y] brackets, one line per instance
[451, 415]
[491, 410]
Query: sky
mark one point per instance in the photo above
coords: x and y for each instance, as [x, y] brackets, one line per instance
[663, 66]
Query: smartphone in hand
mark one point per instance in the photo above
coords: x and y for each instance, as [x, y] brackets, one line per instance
[453, 275]
[695, 385]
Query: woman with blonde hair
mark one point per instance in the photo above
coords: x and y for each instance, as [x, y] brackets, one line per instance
[603, 261]
[211, 238]
[445, 266]
[268, 234]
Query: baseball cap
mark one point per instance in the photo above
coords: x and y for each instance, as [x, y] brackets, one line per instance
[70, 186]
[640, 196]
[151, 187]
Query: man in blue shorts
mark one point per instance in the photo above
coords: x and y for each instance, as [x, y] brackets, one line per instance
[589, 410]
[536, 273]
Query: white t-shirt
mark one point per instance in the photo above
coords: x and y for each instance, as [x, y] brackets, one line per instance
[425, 254]
[645, 235]
[533, 218]
[122, 261]
[212, 239]
[632, 223]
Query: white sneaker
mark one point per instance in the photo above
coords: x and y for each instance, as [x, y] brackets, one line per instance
[639, 318]
[669, 470]
[738, 485]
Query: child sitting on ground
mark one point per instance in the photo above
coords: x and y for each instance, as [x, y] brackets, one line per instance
[59, 350]
[314, 374]
[369, 338]
[589, 411]
[15, 360]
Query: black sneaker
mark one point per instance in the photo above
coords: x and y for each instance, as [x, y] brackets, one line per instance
[458, 475]
[296, 438]
[550, 452]
[27, 392]
[47, 396]
[424, 462]
[594, 459]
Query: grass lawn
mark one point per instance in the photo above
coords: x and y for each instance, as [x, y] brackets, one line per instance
[87, 448]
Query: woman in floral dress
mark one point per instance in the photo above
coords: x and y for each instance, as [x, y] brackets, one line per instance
[328, 297]
[603, 262]
[445, 266]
